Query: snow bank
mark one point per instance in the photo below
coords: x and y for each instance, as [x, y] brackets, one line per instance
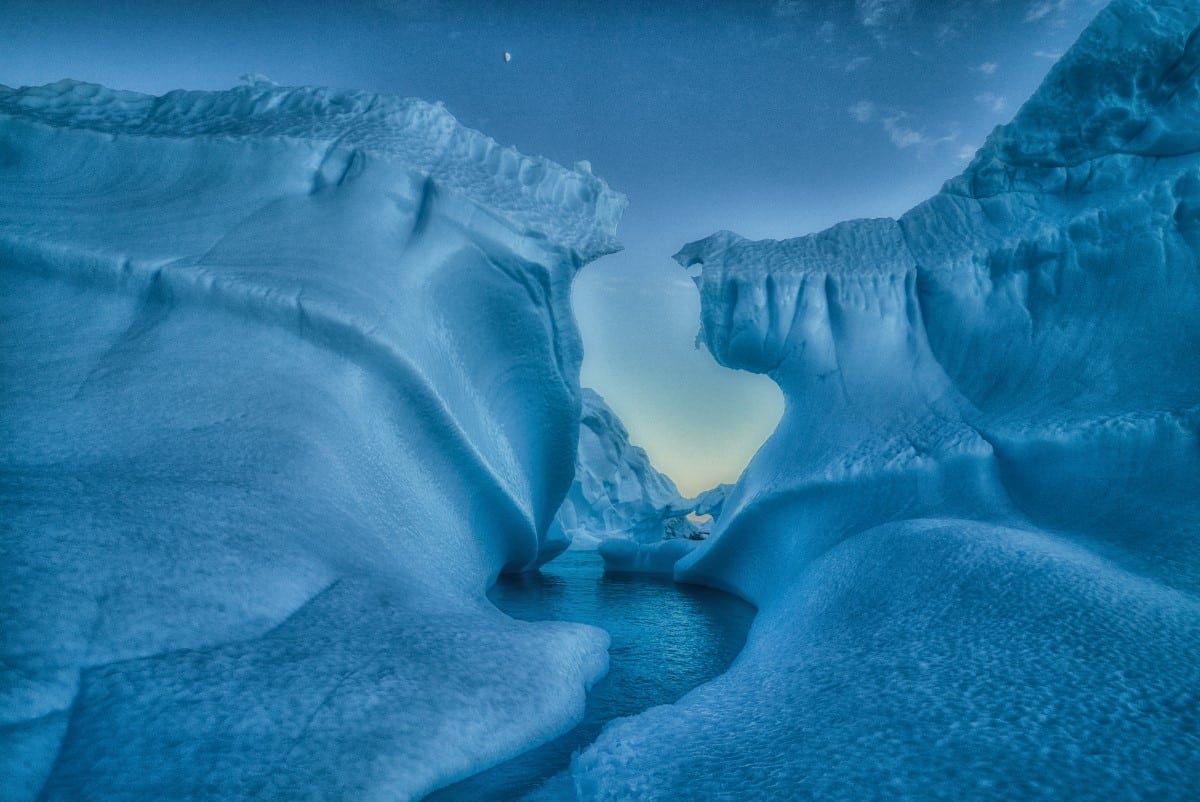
[289, 376]
[973, 537]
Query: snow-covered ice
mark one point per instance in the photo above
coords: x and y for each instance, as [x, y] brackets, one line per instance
[974, 537]
[289, 375]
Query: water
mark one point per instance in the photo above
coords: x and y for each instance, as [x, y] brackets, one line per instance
[666, 639]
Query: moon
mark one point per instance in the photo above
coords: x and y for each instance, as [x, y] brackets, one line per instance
[507, 57]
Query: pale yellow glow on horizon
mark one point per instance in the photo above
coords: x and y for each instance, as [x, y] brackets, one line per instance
[638, 313]
[699, 457]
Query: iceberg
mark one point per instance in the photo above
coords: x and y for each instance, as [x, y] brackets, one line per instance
[622, 506]
[290, 375]
[617, 493]
[973, 538]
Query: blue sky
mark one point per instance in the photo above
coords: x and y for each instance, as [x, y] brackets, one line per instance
[772, 118]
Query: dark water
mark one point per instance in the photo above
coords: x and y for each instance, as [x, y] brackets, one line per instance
[666, 639]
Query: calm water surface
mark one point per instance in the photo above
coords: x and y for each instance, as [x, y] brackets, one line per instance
[666, 639]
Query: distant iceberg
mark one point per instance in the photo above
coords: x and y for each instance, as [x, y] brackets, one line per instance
[973, 538]
[617, 493]
[623, 506]
[290, 375]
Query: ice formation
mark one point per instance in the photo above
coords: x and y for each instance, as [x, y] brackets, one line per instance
[712, 501]
[617, 493]
[621, 505]
[974, 537]
[289, 376]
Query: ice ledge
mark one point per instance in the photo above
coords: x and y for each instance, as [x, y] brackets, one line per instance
[537, 197]
[847, 248]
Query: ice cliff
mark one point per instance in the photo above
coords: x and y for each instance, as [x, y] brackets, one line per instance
[974, 538]
[289, 375]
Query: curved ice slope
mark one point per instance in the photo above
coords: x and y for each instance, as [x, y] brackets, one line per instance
[934, 659]
[975, 536]
[289, 376]
[835, 319]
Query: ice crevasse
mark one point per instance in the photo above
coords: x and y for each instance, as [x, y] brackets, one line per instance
[974, 538]
[289, 375]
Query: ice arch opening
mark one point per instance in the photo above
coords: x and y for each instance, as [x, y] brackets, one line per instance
[638, 318]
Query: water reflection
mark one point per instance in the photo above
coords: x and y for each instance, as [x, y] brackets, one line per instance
[666, 640]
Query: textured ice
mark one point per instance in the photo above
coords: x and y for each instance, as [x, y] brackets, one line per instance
[622, 555]
[712, 501]
[289, 375]
[617, 494]
[974, 538]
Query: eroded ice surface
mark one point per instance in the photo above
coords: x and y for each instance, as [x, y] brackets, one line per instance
[289, 375]
[975, 537]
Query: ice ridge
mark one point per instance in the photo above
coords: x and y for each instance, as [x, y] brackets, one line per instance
[535, 196]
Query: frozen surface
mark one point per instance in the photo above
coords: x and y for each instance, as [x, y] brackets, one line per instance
[289, 376]
[617, 493]
[975, 537]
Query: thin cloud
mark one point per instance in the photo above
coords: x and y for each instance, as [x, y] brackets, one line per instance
[1053, 55]
[789, 8]
[857, 63]
[1044, 8]
[966, 153]
[878, 13]
[987, 68]
[902, 135]
[898, 126]
[863, 111]
[992, 102]
[949, 138]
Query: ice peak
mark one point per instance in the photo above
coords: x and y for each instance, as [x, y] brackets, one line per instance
[1129, 86]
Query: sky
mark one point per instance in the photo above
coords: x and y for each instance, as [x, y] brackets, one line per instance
[771, 118]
